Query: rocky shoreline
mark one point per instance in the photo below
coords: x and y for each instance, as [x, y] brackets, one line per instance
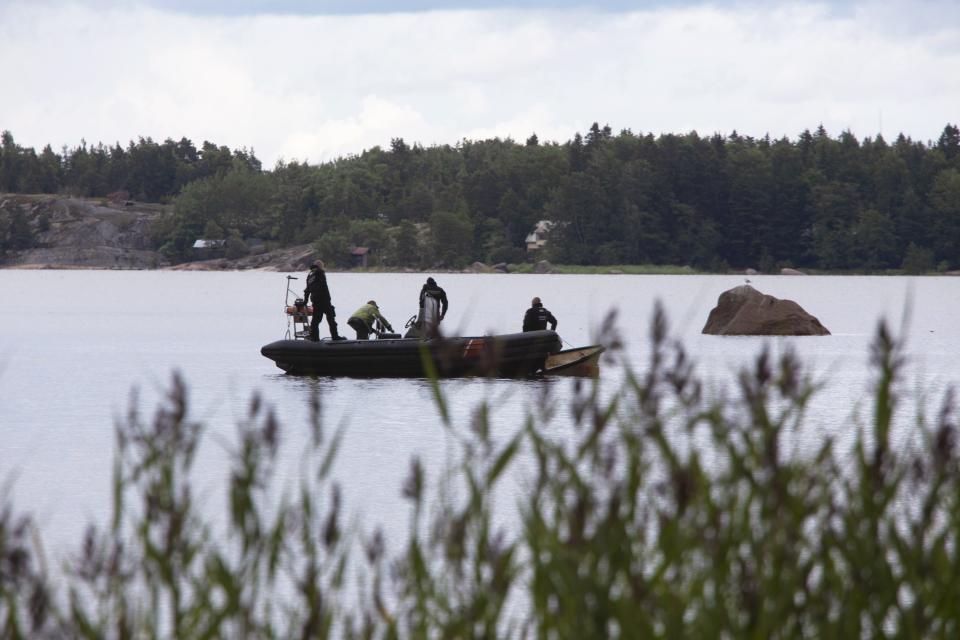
[83, 233]
[115, 234]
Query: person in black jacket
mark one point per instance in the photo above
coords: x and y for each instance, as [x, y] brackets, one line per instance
[537, 317]
[433, 307]
[317, 290]
[434, 291]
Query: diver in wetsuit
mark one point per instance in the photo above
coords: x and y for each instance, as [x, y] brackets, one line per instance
[317, 290]
[433, 307]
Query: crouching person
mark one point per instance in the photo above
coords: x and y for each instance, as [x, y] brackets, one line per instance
[368, 319]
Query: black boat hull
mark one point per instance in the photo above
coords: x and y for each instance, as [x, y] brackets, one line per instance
[511, 355]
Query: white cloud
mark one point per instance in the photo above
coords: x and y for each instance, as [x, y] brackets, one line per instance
[378, 120]
[316, 87]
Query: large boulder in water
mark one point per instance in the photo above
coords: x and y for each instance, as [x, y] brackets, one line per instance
[744, 311]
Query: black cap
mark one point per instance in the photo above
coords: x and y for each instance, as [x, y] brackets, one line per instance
[431, 281]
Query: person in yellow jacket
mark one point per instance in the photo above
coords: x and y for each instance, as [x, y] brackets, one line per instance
[365, 320]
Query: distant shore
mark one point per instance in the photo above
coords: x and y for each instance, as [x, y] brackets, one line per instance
[107, 234]
[522, 269]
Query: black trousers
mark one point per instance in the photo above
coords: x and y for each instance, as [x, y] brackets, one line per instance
[318, 313]
[363, 331]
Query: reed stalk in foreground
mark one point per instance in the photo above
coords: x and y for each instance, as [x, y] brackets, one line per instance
[667, 512]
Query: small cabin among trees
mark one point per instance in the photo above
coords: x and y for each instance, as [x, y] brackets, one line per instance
[203, 248]
[358, 256]
[537, 238]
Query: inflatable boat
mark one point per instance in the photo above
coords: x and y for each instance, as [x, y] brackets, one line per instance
[511, 355]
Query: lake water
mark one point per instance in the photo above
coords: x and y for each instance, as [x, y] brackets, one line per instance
[74, 343]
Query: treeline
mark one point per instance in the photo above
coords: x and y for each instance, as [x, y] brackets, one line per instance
[713, 202]
[149, 171]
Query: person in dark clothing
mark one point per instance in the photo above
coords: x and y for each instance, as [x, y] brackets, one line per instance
[431, 289]
[433, 307]
[537, 317]
[318, 291]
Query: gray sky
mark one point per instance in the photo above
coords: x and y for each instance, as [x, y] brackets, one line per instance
[316, 80]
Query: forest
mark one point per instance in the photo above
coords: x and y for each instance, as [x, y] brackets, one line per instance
[714, 202]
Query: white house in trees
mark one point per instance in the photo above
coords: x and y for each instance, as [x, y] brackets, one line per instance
[538, 237]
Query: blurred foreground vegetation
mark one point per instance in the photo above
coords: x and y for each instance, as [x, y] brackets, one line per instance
[713, 202]
[666, 512]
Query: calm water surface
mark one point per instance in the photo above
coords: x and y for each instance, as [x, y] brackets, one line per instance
[73, 344]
